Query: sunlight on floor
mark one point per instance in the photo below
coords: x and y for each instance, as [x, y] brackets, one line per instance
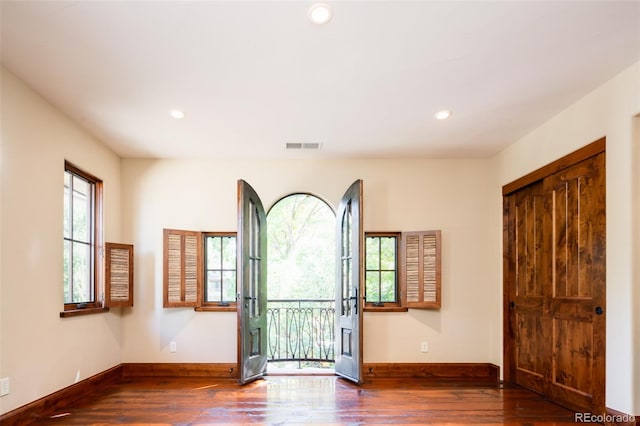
[289, 369]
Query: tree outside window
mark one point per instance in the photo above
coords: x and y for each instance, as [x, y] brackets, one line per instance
[381, 270]
[301, 249]
[80, 241]
[220, 272]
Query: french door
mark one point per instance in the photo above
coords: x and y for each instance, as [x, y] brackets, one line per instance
[349, 295]
[252, 284]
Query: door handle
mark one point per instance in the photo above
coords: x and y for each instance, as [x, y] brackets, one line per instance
[355, 301]
[355, 305]
[599, 310]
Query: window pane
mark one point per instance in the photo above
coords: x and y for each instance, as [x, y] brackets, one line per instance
[254, 231]
[214, 257]
[381, 268]
[213, 286]
[254, 280]
[79, 230]
[388, 253]
[346, 278]
[67, 205]
[372, 254]
[229, 286]
[81, 210]
[81, 273]
[371, 287]
[228, 252]
[388, 285]
[220, 269]
[346, 287]
[67, 272]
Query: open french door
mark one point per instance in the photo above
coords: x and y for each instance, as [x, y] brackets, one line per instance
[252, 284]
[349, 300]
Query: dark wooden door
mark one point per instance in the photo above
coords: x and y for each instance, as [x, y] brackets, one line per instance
[252, 284]
[532, 356]
[577, 299]
[555, 285]
[349, 297]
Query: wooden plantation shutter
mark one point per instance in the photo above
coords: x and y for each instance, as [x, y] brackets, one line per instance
[421, 268]
[182, 276]
[118, 285]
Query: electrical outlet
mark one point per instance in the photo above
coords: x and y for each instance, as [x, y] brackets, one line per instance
[4, 386]
[424, 347]
[173, 347]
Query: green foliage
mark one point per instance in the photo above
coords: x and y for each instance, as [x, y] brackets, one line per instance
[381, 269]
[220, 269]
[301, 235]
[77, 282]
[301, 249]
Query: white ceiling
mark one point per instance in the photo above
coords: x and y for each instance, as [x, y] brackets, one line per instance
[251, 76]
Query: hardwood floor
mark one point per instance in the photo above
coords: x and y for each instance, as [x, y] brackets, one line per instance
[287, 400]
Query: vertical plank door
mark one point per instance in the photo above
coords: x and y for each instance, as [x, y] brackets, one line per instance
[576, 303]
[555, 284]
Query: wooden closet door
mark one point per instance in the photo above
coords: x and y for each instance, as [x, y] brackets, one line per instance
[531, 285]
[576, 304]
[555, 283]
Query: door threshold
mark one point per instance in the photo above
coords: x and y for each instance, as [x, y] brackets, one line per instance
[288, 371]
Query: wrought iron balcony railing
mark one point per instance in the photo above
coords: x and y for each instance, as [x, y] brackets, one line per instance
[301, 330]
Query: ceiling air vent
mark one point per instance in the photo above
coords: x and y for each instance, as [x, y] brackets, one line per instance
[302, 146]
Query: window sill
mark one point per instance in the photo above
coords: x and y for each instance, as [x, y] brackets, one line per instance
[230, 308]
[386, 309]
[80, 312]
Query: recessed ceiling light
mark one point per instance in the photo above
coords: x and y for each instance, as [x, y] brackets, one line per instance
[177, 114]
[442, 115]
[320, 13]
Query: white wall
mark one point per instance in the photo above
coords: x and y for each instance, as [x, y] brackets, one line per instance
[41, 352]
[636, 258]
[460, 197]
[608, 111]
